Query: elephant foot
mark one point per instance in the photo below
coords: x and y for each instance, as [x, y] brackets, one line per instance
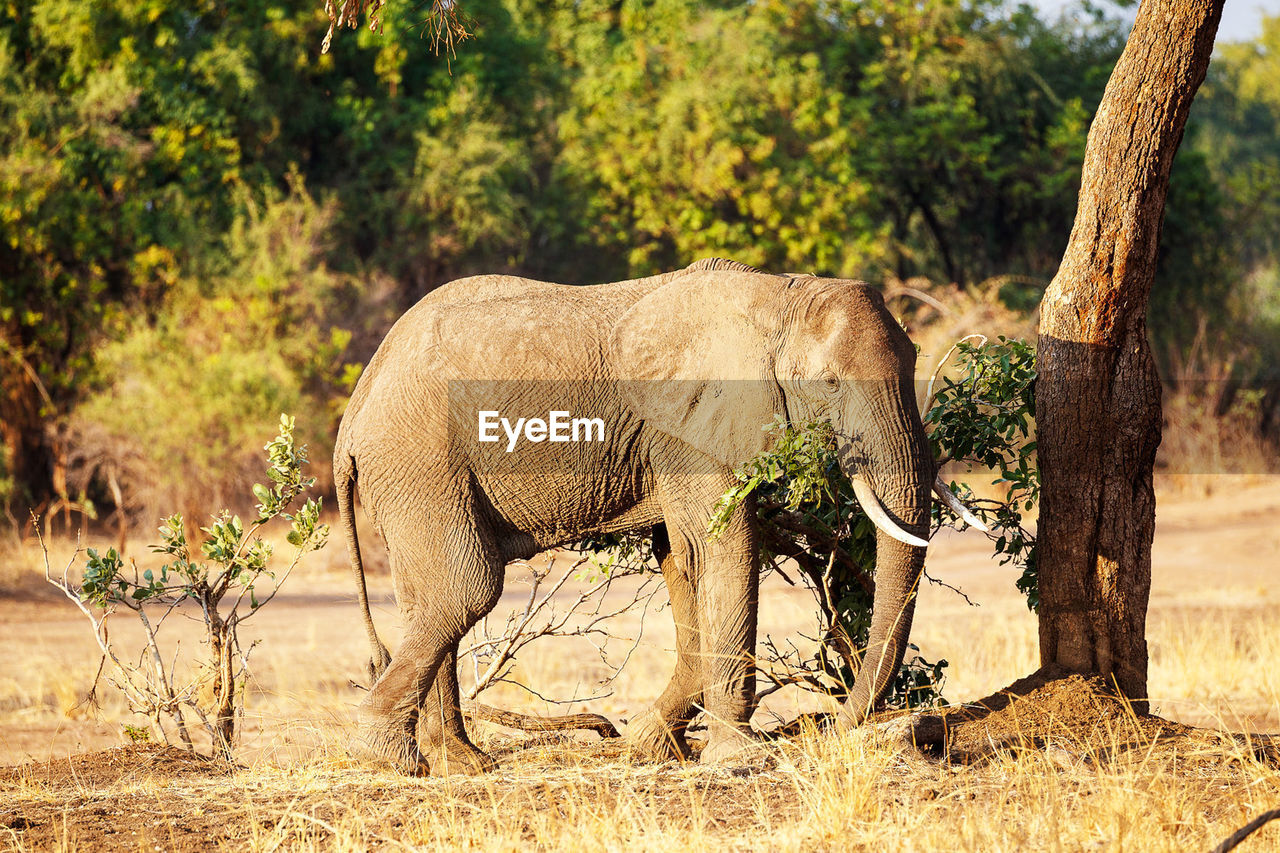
[389, 746]
[454, 756]
[732, 746]
[651, 739]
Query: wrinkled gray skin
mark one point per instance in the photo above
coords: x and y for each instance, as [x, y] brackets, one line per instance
[654, 358]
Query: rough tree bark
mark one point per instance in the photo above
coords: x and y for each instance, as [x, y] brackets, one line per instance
[1098, 393]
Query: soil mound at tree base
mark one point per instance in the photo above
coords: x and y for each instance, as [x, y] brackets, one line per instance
[105, 768]
[1069, 714]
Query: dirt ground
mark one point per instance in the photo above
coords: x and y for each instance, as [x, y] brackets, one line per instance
[1214, 638]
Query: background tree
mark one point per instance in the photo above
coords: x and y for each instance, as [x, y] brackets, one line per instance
[148, 151]
[1098, 395]
[1232, 131]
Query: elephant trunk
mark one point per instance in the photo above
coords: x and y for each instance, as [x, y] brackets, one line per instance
[895, 459]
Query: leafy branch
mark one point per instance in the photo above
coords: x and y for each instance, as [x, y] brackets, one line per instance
[985, 417]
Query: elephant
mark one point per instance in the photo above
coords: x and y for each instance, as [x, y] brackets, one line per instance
[672, 378]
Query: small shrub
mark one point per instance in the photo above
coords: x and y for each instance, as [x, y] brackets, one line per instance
[224, 578]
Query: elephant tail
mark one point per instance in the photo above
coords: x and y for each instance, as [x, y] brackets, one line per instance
[344, 477]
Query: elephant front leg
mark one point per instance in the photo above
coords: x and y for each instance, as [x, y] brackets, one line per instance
[728, 599]
[726, 579]
[659, 733]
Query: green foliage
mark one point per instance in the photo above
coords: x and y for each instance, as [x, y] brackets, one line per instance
[808, 514]
[1234, 125]
[136, 734]
[692, 149]
[228, 352]
[102, 582]
[236, 557]
[1197, 268]
[943, 139]
[985, 413]
[1228, 175]
[795, 473]
[462, 195]
[617, 554]
[197, 206]
[142, 140]
[985, 416]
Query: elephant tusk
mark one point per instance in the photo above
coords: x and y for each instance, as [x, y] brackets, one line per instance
[871, 506]
[953, 503]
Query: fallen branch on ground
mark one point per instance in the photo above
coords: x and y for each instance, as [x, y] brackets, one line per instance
[1245, 831]
[586, 722]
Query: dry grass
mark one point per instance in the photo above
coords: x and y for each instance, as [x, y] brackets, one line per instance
[1201, 455]
[1214, 642]
[855, 791]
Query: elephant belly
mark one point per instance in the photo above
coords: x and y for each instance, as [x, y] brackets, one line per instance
[555, 460]
[537, 509]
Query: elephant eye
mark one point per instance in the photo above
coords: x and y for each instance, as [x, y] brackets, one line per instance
[830, 380]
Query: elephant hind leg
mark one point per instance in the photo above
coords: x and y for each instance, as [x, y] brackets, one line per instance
[659, 733]
[445, 582]
[442, 736]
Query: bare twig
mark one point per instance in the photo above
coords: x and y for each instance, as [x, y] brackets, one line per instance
[162, 678]
[446, 23]
[519, 636]
[931, 579]
[929, 394]
[572, 700]
[134, 694]
[548, 613]
[347, 13]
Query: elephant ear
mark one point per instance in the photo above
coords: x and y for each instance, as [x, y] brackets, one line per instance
[695, 359]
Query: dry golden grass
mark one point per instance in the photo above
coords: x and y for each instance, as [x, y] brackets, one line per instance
[1197, 449]
[1214, 643]
[854, 791]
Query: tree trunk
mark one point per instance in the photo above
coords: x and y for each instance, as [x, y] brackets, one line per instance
[1098, 393]
[223, 707]
[27, 454]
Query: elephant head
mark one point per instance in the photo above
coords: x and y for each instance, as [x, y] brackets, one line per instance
[716, 356]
